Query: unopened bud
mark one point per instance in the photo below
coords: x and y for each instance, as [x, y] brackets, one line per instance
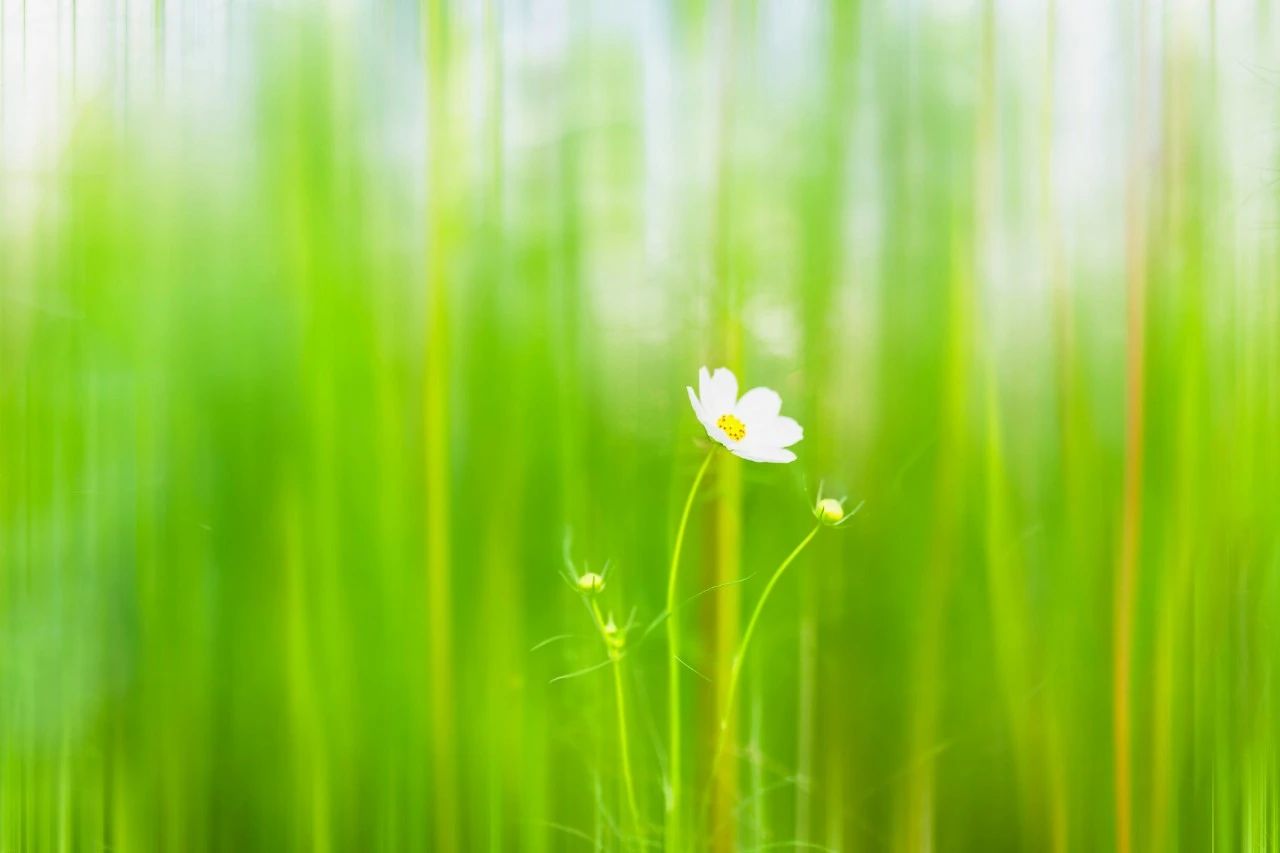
[614, 637]
[829, 511]
[591, 583]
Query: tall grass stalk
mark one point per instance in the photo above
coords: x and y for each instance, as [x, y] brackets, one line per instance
[436, 420]
[1131, 510]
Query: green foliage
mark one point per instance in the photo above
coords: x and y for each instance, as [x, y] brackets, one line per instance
[307, 386]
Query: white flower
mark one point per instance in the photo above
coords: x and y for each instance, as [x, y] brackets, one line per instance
[749, 427]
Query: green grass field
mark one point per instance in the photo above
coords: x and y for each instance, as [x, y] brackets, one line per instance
[338, 339]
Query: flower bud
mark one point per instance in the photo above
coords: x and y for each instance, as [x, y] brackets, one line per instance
[614, 637]
[591, 583]
[829, 511]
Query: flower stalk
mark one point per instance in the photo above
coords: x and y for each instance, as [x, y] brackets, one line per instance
[672, 822]
[735, 673]
[615, 642]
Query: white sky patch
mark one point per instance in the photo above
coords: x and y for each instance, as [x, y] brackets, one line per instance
[700, 108]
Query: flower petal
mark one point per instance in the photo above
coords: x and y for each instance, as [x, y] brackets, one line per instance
[762, 453]
[697, 405]
[723, 389]
[722, 438]
[782, 432]
[758, 405]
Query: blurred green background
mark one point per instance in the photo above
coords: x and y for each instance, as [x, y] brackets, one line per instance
[327, 330]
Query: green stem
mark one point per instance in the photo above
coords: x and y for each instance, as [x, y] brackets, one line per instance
[673, 670]
[623, 748]
[740, 655]
[620, 695]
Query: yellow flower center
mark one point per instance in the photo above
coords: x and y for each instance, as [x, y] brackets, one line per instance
[732, 427]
